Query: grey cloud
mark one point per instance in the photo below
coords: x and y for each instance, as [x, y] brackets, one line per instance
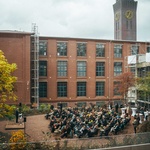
[72, 18]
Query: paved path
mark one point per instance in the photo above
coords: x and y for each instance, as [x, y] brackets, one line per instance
[37, 124]
[34, 127]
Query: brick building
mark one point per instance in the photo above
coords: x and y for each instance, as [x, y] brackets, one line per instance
[16, 48]
[70, 69]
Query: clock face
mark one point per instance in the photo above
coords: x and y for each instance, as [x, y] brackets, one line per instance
[129, 14]
[117, 16]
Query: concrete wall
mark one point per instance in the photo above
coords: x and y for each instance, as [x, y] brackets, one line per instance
[131, 147]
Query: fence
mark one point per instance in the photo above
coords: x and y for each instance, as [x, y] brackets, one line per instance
[82, 144]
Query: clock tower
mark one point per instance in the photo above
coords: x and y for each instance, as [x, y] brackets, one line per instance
[125, 20]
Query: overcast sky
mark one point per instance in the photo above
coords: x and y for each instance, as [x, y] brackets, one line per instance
[69, 18]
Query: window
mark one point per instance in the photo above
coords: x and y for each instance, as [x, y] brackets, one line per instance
[117, 25]
[118, 51]
[62, 89]
[100, 69]
[117, 68]
[134, 50]
[64, 105]
[130, 24]
[100, 88]
[43, 48]
[62, 68]
[81, 49]
[81, 68]
[61, 49]
[127, 24]
[81, 88]
[116, 84]
[100, 104]
[148, 49]
[42, 89]
[132, 69]
[100, 50]
[81, 104]
[42, 68]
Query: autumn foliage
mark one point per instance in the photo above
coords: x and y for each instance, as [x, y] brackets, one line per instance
[17, 140]
[7, 82]
[143, 83]
[125, 81]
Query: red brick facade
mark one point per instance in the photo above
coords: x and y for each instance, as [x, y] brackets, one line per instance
[16, 47]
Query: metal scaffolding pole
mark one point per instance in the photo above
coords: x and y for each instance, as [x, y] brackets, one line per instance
[35, 65]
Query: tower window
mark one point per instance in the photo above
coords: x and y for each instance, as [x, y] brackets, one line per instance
[127, 24]
[130, 24]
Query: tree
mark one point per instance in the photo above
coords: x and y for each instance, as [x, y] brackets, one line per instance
[143, 85]
[125, 81]
[7, 82]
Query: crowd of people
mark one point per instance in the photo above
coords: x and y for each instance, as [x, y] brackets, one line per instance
[137, 120]
[88, 121]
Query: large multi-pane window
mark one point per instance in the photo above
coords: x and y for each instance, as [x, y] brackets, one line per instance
[61, 89]
[43, 48]
[61, 48]
[117, 51]
[62, 68]
[42, 89]
[81, 49]
[133, 69]
[148, 49]
[42, 68]
[117, 68]
[134, 49]
[81, 88]
[81, 68]
[100, 88]
[116, 88]
[100, 50]
[100, 69]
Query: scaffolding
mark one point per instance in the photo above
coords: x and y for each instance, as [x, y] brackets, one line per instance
[35, 65]
[139, 65]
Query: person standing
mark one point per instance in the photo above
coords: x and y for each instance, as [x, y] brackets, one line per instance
[116, 108]
[135, 123]
[17, 115]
